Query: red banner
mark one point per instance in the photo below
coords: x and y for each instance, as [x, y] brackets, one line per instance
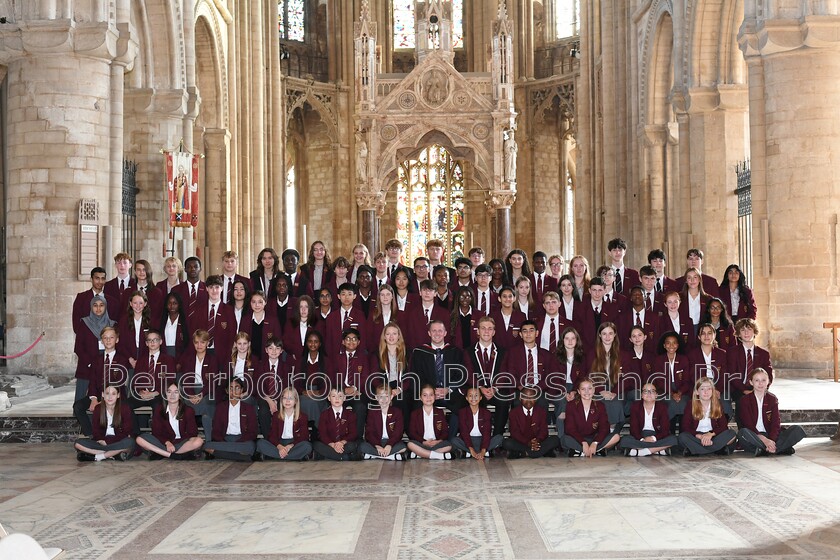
[182, 188]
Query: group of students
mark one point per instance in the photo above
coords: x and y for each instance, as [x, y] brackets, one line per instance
[390, 351]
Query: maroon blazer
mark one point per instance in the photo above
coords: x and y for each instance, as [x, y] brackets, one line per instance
[373, 426]
[493, 298]
[710, 285]
[516, 363]
[270, 328]
[120, 432]
[737, 366]
[544, 325]
[525, 428]
[631, 278]
[280, 315]
[618, 303]
[155, 299]
[379, 371]
[355, 375]
[578, 372]
[415, 327]
[209, 375]
[651, 324]
[306, 274]
[112, 289]
[225, 330]
[488, 374]
[683, 375]
[333, 328]
[127, 343]
[661, 420]
[227, 291]
[332, 431]
[162, 430]
[300, 428]
[549, 285]
[669, 285]
[247, 422]
[166, 370]
[86, 348]
[504, 337]
[292, 343]
[689, 423]
[746, 306]
[416, 427]
[748, 414]
[268, 385]
[163, 288]
[577, 313]
[466, 422]
[725, 337]
[578, 426]
[588, 329]
[458, 334]
[698, 366]
[81, 308]
[183, 291]
[633, 366]
[118, 373]
[686, 330]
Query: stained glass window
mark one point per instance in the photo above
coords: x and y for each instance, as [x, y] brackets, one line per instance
[566, 18]
[457, 24]
[403, 24]
[290, 19]
[430, 203]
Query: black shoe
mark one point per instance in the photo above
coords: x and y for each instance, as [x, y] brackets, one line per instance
[182, 456]
[83, 457]
[759, 452]
[156, 457]
[257, 457]
[122, 456]
[602, 453]
[550, 453]
[789, 451]
[626, 451]
[515, 455]
[686, 453]
[573, 453]
[208, 456]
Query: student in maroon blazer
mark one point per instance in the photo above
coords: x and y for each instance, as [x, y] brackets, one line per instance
[650, 432]
[428, 429]
[173, 326]
[676, 319]
[636, 360]
[541, 281]
[199, 378]
[626, 277]
[350, 370]
[572, 367]
[288, 439]
[272, 375]
[192, 291]
[260, 324]
[485, 364]
[637, 314]
[516, 362]
[173, 271]
[303, 319]
[672, 373]
[717, 316]
[133, 327]
[656, 260]
[551, 306]
[744, 358]
[474, 425]
[111, 430]
[344, 317]
[443, 295]
[152, 372]
[163, 441]
[81, 305]
[694, 259]
[383, 429]
[592, 320]
[116, 373]
[704, 425]
[508, 319]
[337, 433]
[122, 282]
[143, 282]
[279, 306]
[298, 283]
[734, 289]
[616, 302]
[87, 346]
[485, 301]
[529, 429]
[236, 445]
[415, 321]
[222, 325]
[761, 430]
[463, 320]
[230, 262]
[707, 360]
[587, 426]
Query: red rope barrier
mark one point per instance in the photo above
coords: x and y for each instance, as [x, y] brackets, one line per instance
[19, 354]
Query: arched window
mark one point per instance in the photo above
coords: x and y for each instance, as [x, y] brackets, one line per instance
[430, 203]
[291, 19]
[403, 16]
[566, 18]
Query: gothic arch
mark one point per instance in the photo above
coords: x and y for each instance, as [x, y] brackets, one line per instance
[162, 45]
[661, 75]
[211, 58]
[714, 57]
[651, 27]
[300, 93]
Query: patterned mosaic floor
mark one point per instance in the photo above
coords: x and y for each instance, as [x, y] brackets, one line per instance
[652, 507]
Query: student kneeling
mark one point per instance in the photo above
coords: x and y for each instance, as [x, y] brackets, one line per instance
[529, 429]
[234, 427]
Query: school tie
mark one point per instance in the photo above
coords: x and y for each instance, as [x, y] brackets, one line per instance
[484, 303]
[393, 269]
[638, 319]
[552, 337]
[749, 362]
[487, 357]
[211, 321]
[540, 284]
[530, 363]
[191, 303]
[228, 285]
[428, 318]
[648, 306]
[658, 285]
[107, 362]
[122, 286]
[274, 376]
[617, 281]
[346, 323]
[598, 316]
[380, 282]
[439, 366]
[152, 364]
[337, 416]
[142, 288]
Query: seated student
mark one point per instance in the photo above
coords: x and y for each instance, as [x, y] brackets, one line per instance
[111, 430]
[704, 425]
[234, 427]
[529, 429]
[337, 433]
[707, 360]
[758, 412]
[174, 432]
[351, 370]
[587, 426]
[199, 378]
[383, 430]
[474, 424]
[428, 431]
[650, 431]
[563, 388]
[742, 359]
[152, 373]
[288, 439]
[271, 376]
[672, 373]
[311, 379]
[88, 346]
[109, 367]
[485, 364]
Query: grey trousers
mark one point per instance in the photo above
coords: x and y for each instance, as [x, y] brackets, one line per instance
[327, 452]
[206, 408]
[298, 452]
[548, 444]
[149, 438]
[569, 442]
[127, 444]
[366, 448]
[788, 437]
[232, 449]
[495, 442]
[629, 442]
[692, 442]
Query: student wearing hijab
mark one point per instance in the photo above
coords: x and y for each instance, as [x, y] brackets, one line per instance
[88, 343]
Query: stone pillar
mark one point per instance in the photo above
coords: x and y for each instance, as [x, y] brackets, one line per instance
[796, 175]
[369, 203]
[216, 193]
[61, 147]
[501, 201]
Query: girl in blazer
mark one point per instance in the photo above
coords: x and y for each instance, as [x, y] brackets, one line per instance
[637, 360]
[524, 299]
[198, 376]
[758, 412]
[88, 344]
[240, 295]
[428, 431]
[717, 316]
[173, 326]
[507, 319]
[650, 432]
[676, 319]
[693, 300]
[135, 323]
[672, 372]
[573, 365]
[289, 436]
[605, 362]
[704, 425]
[303, 320]
[736, 295]
[383, 430]
[174, 432]
[587, 424]
[312, 380]
[474, 425]
[708, 360]
[234, 427]
[111, 430]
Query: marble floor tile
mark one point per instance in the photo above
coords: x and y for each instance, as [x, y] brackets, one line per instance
[578, 467]
[266, 527]
[311, 471]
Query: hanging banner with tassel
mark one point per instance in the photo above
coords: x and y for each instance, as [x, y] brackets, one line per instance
[182, 188]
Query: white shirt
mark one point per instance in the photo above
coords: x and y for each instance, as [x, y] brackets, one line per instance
[239, 368]
[137, 331]
[648, 420]
[735, 298]
[708, 359]
[569, 306]
[199, 366]
[545, 334]
[386, 316]
[428, 425]
[759, 425]
[524, 308]
[233, 427]
[676, 324]
[303, 328]
[288, 423]
[401, 302]
[506, 319]
[109, 431]
[476, 431]
[694, 308]
[487, 295]
[173, 421]
[384, 424]
[238, 314]
[170, 332]
[640, 313]
[705, 425]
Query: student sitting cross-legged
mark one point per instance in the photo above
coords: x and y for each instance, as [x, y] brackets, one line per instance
[174, 431]
[529, 429]
[383, 429]
[288, 438]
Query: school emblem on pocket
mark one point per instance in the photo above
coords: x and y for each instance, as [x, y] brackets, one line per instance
[438, 425]
[594, 425]
[223, 324]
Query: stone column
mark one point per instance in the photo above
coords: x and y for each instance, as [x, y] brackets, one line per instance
[216, 193]
[60, 148]
[369, 203]
[501, 201]
[794, 76]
